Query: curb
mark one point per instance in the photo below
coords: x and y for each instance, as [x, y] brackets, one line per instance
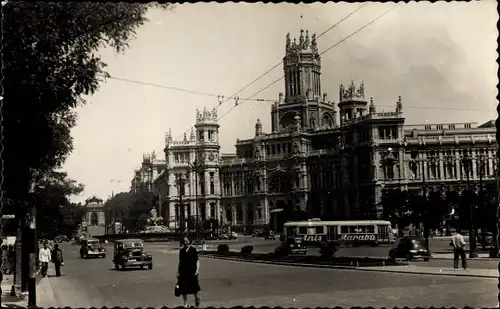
[473, 259]
[345, 267]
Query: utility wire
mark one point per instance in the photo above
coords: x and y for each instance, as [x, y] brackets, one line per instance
[234, 96]
[173, 88]
[327, 50]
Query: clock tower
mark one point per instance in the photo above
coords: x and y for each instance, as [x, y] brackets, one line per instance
[208, 159]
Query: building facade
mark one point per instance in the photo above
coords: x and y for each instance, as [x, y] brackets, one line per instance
[334, 164]
[95, 217]
[144, 177]
[323, 159]
[193, 169]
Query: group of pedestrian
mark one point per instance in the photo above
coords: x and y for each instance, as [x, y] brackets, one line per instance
[46, 255]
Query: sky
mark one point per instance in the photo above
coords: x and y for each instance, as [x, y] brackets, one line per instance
[439, 57]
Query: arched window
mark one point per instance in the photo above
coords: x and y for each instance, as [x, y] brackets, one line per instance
[94, 218]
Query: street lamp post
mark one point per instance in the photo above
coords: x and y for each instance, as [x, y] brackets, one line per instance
[181, 181]
[467, 164]
[196, 166]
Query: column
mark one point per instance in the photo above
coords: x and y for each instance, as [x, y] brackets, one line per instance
[441, 165]
[244, 210]
[266, 211]
[402, 165]
[233, 215]
[474, 172]
[458, 165]
[491, 156]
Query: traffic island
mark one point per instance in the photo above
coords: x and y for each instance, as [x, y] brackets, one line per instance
[272, 258]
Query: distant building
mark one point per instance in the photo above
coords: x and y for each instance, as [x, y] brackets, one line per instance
[144, 176]
[318, 161]
[94, 218]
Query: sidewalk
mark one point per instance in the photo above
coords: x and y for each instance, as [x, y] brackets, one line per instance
[425, 270]
[449, 256]
[12, 301]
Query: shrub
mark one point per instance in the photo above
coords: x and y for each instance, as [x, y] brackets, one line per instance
[328, 251]
[223, 248]
[247, 250]
[281, 251]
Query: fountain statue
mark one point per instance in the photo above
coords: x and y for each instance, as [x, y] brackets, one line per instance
[155, 223]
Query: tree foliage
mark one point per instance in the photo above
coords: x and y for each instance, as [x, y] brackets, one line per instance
[49, 61]
[131, 209]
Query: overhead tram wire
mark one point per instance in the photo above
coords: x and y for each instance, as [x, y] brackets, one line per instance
[174, 88]
[234, 96]
[326, 50]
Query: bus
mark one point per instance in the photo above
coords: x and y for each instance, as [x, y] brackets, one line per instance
[315, 232]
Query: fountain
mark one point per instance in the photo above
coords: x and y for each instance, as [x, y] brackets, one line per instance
[154, 223]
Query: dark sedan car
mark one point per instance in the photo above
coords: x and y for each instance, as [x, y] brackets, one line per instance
[130, 253]
[409, 248]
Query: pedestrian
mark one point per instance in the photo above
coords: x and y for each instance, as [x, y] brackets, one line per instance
[187, 274]
[12, 258]
[44, 258]
[5, 260]
[57, 259]
[458, 244]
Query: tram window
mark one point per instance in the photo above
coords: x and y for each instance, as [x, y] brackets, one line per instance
[344, 229]
[303, 230]
[319, 230]
[370, 229]
[353, 229]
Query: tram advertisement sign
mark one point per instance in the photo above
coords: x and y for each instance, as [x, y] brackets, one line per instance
[358, 237]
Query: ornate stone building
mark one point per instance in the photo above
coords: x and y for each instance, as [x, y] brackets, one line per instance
[151, 168]
[192, 163]
[320, 162]
[323, 159]
[94, 217]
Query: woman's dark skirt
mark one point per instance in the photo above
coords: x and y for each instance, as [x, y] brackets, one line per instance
[188, 284]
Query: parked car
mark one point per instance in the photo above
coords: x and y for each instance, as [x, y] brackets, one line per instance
[292, 246]
[92, 248]
[270, 236]
[130, 253]
[409, 248]
[485, 239]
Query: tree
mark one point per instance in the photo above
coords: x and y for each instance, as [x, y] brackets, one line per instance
[438, 209]
[396, 207]
[132, 209]
[55, 213]
[49, 61]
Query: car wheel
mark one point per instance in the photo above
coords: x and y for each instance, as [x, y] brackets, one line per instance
[117, 267]
[123, 267]
[81, 255]
[426, 259]
[150, 266]
[104, 256]
[409, 257]
[142, 266]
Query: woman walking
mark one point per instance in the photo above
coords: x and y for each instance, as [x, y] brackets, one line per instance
[187, 275]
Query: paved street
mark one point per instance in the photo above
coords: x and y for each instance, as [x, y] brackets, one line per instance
[225, 283]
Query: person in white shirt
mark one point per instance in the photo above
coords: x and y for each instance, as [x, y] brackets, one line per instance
[44, 258]
[458, 243]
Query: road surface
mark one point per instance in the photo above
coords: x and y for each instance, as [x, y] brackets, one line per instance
[95, 283]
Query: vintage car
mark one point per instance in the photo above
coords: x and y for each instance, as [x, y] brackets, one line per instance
[409, 248]
[130, 253]
[92, 248]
